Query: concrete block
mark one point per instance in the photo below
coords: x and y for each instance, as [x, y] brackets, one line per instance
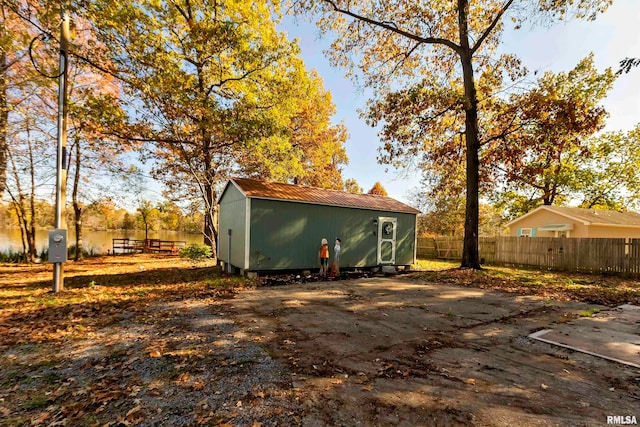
[389, 269]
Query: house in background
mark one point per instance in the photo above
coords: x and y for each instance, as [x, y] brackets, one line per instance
[556, 221]
[266, 226]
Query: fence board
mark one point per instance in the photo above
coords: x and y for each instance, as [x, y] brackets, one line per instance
[588, 255]
[426, 248]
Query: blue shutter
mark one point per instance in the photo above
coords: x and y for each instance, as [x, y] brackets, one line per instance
[518, 232]
[533, 232]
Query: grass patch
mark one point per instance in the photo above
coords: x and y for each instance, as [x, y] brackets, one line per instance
[13, 422]
[136, 292]
[36, 402]
[434, 265]
[589, 313]
[552, 286]
[226, 282]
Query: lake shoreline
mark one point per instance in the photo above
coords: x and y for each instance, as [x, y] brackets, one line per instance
[94, 241]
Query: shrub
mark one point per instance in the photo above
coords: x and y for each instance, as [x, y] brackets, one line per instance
[196, 252]
[11, 256]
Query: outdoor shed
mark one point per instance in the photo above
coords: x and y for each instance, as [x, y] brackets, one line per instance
[271, 226]
[556, 221]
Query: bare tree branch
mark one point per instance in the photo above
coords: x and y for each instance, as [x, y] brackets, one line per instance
[490, 28]
[394, 28]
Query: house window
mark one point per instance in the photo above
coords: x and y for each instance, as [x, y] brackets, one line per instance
[562, 233]
[525, 232]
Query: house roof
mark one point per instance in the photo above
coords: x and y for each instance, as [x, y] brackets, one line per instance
[298, 193]
[591, 216]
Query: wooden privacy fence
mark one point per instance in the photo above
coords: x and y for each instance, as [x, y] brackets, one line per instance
[451, 248]
[589, 255]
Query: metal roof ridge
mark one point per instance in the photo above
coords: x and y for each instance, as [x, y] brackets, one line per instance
[325, 190]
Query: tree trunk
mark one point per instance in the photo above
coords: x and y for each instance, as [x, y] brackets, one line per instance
[77, 209]
[31, 228]
[31, 235]
[25, 256]
[4, 112]
[211, 220]
[4, 117]
[470, 252]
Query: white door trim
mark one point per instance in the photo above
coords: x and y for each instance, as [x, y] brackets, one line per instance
[386, 235]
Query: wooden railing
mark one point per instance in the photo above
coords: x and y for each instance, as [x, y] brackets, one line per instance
[157, 245]
[126, 246]
[130, 246]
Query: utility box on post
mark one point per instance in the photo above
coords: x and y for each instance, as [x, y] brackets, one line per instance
[57, 245]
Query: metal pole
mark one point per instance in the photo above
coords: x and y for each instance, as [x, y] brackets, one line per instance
[61, 166]
[229, 268]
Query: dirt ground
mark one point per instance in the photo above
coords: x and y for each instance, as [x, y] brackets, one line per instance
[156, 341]
[399, 351]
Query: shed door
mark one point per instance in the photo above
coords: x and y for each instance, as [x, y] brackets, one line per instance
[387, 240]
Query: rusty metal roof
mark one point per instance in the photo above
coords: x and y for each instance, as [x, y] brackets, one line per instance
[319, 196]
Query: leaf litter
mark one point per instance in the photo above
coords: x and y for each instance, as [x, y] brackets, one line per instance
[151, 340]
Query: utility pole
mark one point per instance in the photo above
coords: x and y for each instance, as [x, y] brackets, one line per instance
[58, 236]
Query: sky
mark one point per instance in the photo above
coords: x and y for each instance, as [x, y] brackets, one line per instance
[612, 37]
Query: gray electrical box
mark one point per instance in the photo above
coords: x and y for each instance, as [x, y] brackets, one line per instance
[57, 245]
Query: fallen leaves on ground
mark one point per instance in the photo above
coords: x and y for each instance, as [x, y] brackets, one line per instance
[61, 367]
[560, 286]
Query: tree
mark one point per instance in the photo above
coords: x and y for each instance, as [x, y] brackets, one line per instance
[627, 64]
[320, 144]
[206, 79]
[128, 222]
[607, 177]
[30, 107]
[351, 186]
[171, 216]
[378, 190]
[547, 131]
[422, 42]
[310, 150]
[4, 107]
[102, 214]
[148, 216]
[12, 42]
[26, 155]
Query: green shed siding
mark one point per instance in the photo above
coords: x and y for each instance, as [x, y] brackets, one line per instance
[233, 216]
[287, 235]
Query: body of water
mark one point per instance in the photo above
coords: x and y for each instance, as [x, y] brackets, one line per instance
[98, 241]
